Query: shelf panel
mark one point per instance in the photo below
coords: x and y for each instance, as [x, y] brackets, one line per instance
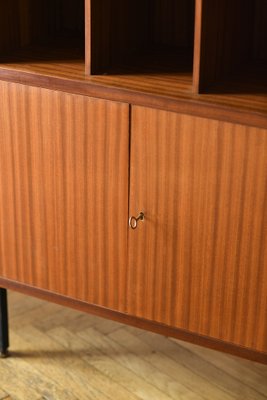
[64, 68]
[245, 90]
[155, 78]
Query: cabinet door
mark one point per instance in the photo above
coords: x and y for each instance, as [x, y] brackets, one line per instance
[199, 259]
[64, 193]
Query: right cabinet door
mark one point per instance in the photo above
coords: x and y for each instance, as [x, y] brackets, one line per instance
[198, 261]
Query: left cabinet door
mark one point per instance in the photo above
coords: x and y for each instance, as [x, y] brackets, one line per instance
[64, 193]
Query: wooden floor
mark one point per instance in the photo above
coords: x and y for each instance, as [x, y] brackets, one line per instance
[58, 353]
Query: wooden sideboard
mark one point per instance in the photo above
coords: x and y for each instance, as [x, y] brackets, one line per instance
[118, 109]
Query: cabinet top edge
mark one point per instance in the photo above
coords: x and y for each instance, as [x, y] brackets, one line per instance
[202, 105]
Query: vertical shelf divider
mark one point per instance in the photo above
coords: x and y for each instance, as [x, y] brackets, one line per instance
[97, 36]
[197, 46]
[88, 37]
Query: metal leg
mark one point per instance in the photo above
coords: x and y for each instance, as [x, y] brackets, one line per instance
[4, 340]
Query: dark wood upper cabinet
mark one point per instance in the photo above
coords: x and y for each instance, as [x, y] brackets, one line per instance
[231, 46]
[141, 35]
[182, 48]
[47, 29]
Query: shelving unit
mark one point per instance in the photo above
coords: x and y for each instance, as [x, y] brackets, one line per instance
[121, 107]
[175, 49]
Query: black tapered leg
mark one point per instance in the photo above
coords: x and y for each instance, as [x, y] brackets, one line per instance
[4, 339]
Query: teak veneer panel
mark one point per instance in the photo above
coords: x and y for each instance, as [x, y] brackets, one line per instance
[199, 259]
[63, 193]
[196, 266]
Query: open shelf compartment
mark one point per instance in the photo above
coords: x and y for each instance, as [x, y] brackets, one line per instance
[232, 42]
[141, 36]
[51, 29]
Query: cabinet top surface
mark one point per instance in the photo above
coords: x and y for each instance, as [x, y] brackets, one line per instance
[234, 100]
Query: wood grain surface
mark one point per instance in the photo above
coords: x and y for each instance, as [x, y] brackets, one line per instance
[199, 260]
[62, 354]
[64, 193]
[229, 35]
[160, 78]
[27, 22]
[242, 100]
[120, 31]
[141, 323]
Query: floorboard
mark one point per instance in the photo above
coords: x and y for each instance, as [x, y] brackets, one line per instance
[62, 354]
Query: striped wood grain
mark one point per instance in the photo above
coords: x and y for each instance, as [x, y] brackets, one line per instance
[64, 193]
[63, 69]
[229, 35]
[199, 260]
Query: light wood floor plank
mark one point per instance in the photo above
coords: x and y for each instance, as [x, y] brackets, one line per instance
[66, 317]
[239, 369]
[84, 350]
[130, 369]
[108, 362]
[152, 371]
[61, 354]
[3, 395]
[60, 366]
[209, 372]
[189, 377]
[106, 326]
[128, 359]
[17, 385]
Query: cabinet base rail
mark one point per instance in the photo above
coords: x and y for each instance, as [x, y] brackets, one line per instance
[4, 336]
[212, 343]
